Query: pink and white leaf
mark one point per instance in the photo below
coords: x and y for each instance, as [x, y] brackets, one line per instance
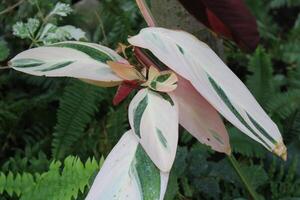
[123, 175]
[199, 118]
[80, 60]
[196, 62]
[154, 119]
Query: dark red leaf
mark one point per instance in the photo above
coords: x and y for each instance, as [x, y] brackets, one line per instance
[124, 90]
[229, 18]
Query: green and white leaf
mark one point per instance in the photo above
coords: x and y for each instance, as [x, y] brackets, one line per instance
[128, 174]
[69, 59]
[196, 62]
[26, 30]
[61, 9]
[52, 34]
[154, 119]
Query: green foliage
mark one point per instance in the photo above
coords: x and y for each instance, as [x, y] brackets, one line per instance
[44, 31]
[4, 51]
[244, 145]
[60, 9]
[284, 104]
[57, 183]
[262, 74]
[77, 107]
[26, 30]
[282, 3]
[285, 183]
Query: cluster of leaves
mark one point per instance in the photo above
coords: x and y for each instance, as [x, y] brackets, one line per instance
[44, 120]
[57, 183]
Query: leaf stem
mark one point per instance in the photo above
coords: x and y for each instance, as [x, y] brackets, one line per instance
[142, 5]
[4, 67]
[238, 170]
[11, 7]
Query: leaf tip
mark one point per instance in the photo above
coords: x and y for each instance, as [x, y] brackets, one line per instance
[228, 151]
[281, 150]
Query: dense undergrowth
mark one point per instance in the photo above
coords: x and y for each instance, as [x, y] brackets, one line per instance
[53, 133]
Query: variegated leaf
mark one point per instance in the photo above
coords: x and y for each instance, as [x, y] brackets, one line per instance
[196, 62]
[128, 174]
[154, 119]
[199, 118]
[165, 81]
[81, 60]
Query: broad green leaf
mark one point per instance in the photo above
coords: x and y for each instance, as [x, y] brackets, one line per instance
[196, 62]
[154, 119]
[199, 118]
[128, 174]
[81, 60]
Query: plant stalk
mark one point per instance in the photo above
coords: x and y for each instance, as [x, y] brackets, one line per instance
[11, 7]
[238, 170]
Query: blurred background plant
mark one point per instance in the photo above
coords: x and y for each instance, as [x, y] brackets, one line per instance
[55, 132]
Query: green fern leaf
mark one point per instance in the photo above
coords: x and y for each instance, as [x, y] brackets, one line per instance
[284, 104]
[260, 82]
[56, 184]
[77, 107]
[244, 145]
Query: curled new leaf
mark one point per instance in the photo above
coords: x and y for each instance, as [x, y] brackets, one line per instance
[165, 81]
[126, 71]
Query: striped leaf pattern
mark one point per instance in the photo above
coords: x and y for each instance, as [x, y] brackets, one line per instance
[128, 174]
[154, 119]
[81, 60]
[196, 62]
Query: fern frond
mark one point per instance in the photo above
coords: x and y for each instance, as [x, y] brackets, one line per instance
[56, 184]
[282, 3]
[77, 106]
[15, 184]
[291, 51]
[260, 82]
[244, 145]
[116, 123]
[284, 104]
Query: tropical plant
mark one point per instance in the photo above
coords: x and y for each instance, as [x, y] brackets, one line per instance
[44, 119]
[198, 85]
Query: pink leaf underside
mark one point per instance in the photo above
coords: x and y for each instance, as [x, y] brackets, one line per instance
[199, 118]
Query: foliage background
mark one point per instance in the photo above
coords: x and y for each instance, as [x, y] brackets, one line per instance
[54, 132]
